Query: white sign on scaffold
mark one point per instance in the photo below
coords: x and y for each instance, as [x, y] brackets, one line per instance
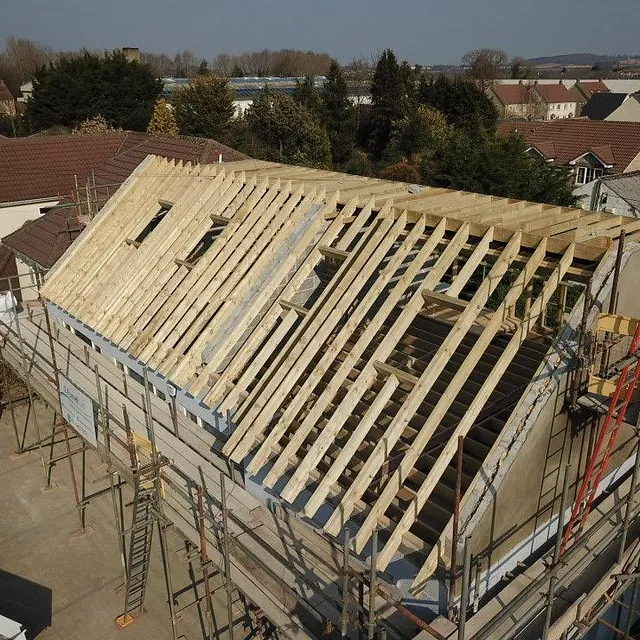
[77, 410]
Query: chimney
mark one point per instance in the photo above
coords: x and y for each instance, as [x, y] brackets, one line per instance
[132, 54]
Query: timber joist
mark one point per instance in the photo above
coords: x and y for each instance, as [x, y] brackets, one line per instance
[309, 316]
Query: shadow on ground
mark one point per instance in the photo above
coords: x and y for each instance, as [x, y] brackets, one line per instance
[25, 602]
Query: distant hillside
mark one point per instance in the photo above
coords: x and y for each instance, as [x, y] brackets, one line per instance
[587, 59]
[574, 58]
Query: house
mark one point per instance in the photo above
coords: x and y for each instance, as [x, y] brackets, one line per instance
[365, 382]
[619, 107]
[41, 178]
[7, 101]
[534, 101]
[590, 148]
[588, 88]
[618, 194]
[26, 91]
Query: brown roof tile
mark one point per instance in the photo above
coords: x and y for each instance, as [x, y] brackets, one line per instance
[555, 92]
[618, 142]
[511, 93]
[45, 239]
[589, 87]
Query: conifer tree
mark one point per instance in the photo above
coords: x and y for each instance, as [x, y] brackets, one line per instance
[387, 100]
[163, 122]
[338, 115]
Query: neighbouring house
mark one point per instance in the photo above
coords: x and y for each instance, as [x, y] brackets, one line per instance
[534, 101]
[7, 101]
[41, 177]
[26, 90]
[618, 194]
[588, 88]
[620, 107]
[590, 148]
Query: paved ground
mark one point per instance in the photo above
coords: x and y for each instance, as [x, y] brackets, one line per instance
[66, 582]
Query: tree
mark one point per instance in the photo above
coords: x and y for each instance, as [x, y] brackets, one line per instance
[203, 68]
[520, 69]
[20, 60]
[387, 100]
[74, 89]
[338, 115]
[204, 107]
[421, 134]
[462, 103]
[306, 94]
[485, 65]
[283, 130]
[163, 122]
[91, 126]
[498, 166]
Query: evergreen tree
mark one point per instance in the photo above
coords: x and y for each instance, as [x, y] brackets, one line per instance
[163, 122]
[462, 103]
[306, 94]
[204, 108]
[387, 101]
[486, 163]
[71, 90]
[203, 68]
[279, 128]
[338, 115]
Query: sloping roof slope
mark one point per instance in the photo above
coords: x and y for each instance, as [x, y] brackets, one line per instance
[35, 168]
[45, 239]
[511, 93]
[41, 167]
[5, 93]
[601, 105]
[555, 92]
[572, 138]
[327, 316]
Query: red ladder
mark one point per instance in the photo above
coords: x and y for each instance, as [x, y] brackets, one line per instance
[605, 443]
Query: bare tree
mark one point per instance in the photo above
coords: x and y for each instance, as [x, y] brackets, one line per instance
[20, 60]
[485, 65]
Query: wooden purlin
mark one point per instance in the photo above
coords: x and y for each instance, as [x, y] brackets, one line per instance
[253, 303]
[396, 481]
[114, 227]
[154, 261]
[434, 368]
[414, 305]
[423, 493]
[355, 319]
[316, 327]
[217, 279]
[369, 371]
[145, 323]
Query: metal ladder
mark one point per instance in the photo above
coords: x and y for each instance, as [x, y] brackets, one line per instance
[145, 515]
[605, 443]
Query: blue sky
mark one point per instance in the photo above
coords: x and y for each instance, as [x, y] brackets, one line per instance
[423, 31]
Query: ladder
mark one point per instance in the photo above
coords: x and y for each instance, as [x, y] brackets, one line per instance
[605, 442]
[144, 517]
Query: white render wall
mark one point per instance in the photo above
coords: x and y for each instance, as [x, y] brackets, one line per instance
[13, 216]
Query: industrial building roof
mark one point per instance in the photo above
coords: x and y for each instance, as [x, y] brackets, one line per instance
[353, 327]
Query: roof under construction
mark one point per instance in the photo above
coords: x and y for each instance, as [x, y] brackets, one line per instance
[353, 328]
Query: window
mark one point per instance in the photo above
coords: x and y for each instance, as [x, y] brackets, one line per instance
[587, 174]
[165, 207]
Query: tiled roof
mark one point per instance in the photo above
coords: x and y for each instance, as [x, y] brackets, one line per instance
[619, 142]
[34, 168]
[601, 105]
[591, 87]
[555, 93]
[45, 239]
[137, 146]
[511, 93]
[41, 167]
